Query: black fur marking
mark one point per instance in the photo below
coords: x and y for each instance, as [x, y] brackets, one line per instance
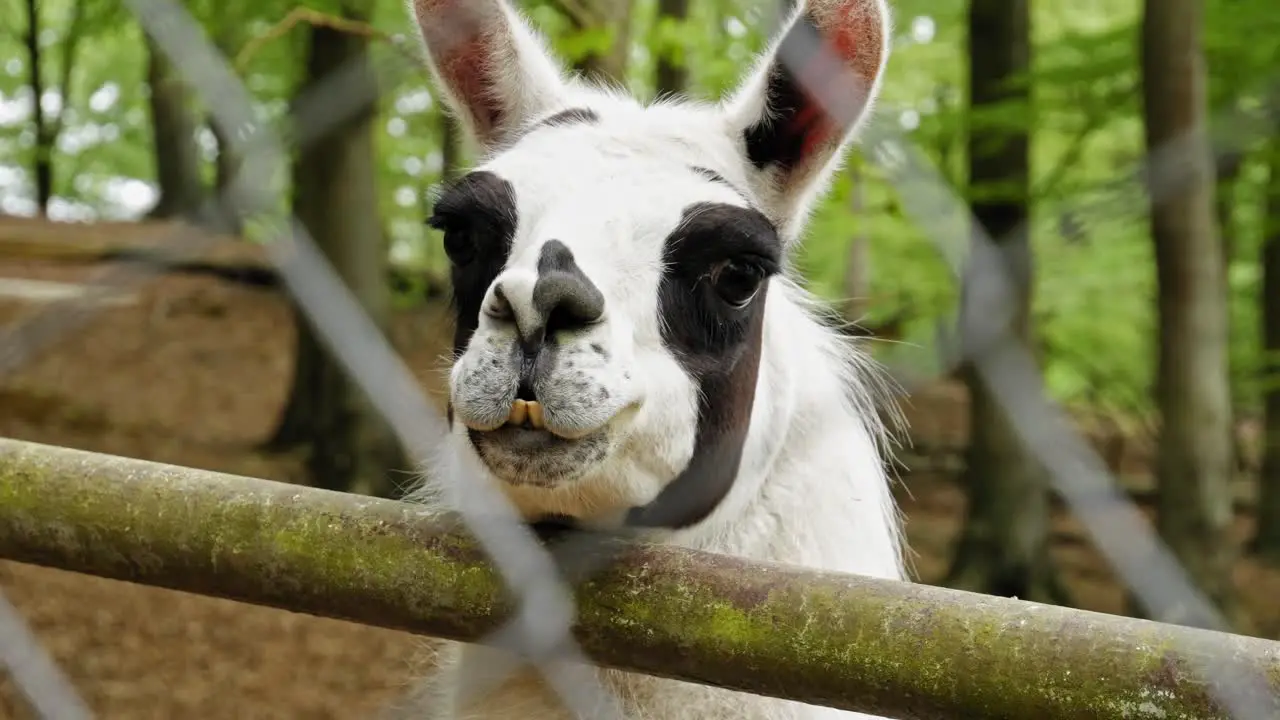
[711, 175]
[716, 177]
[572, 116]
[479, 209]
[554, 527]
[772, 140]
[797, 125]
[718, 345]
[564, 118]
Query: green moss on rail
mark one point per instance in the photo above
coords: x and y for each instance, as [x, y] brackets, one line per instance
[897, 649]
[248, 539]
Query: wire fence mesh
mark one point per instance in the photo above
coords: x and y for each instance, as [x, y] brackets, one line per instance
[542, 576]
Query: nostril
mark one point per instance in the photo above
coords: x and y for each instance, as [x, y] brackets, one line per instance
[564, 296]
[567, 303]
[564, 317]
[500, 307]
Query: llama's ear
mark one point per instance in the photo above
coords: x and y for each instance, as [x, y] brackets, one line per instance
[494, 69]
[798, 110]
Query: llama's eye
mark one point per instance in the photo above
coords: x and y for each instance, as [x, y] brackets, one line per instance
[459, 240]
[736, 282]
[459, 245]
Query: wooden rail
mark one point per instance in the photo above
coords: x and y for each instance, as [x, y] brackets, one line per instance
[898, 649]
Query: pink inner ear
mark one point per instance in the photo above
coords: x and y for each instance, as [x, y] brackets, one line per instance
[856, 32]
[462, 46]
[852, 43]
[468, 73]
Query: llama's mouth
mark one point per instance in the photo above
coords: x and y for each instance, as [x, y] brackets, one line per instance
[527, 419]
[523, 438]
[525, 451]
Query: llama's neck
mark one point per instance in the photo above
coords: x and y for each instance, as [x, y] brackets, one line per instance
[812, 489]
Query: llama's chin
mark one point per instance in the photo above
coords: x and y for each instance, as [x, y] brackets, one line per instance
[535, 457]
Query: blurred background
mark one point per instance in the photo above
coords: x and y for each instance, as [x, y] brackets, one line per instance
[1142, 316]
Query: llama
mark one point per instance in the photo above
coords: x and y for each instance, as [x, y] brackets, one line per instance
[631, 348]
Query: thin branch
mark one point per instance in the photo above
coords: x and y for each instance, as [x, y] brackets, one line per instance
[1094, 119]
[75, 31]
[579, 15]
[316, 18]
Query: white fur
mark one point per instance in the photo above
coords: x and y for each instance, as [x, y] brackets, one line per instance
[812, 489]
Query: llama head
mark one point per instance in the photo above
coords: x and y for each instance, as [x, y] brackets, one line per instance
[611, 261]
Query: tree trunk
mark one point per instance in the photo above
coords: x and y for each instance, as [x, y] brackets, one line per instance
[350, 446]
[227, 165]
[43, 163]
[297, 421]
[228, 161]
[1266, 540]
[610, 65]
[1228, 174]
[177, 156]
[672, 74]
[1228, 171]
[1003, 549]
[857, 268]
[1193, 464]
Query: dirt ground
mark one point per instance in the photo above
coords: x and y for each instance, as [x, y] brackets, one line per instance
[193, 371]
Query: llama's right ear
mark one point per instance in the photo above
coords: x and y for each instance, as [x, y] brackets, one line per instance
[803, 104]
[494, 69]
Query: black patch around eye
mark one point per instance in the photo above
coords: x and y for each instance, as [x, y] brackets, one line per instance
[718, 345]
[698, 322]
[477, 214]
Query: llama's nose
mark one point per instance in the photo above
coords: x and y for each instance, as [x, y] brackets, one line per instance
[564, 298]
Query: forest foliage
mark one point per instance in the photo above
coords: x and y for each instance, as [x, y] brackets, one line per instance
[1093, 312]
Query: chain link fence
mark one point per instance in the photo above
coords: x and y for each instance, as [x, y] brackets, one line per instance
[541, 576]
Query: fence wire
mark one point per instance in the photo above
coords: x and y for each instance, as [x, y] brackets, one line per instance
[542, 577]
[43, 686]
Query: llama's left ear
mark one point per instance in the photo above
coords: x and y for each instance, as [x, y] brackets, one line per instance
[799, 109]
[495, 70]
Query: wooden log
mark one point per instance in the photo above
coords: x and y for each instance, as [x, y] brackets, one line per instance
[898, 649]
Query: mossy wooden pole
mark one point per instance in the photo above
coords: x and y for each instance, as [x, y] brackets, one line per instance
[897, 649]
